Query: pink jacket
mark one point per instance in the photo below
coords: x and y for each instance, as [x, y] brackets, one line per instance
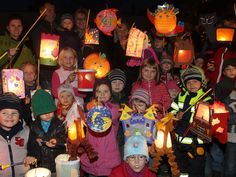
[106, 146]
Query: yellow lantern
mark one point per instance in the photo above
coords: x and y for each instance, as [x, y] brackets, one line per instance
[12, 81]
[163, 139]
[224, 34]
[75, 131]
[49, 49]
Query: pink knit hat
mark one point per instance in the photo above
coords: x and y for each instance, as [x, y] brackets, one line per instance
[142, 95]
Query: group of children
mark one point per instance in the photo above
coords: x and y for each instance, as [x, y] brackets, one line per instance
[47, 135]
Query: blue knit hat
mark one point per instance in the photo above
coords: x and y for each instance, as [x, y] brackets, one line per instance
[136, 145]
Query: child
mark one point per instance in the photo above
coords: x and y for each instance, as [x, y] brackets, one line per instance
[49, 130]
[107, 145]
[118, 80]
[16, 142]
[66, 73]
[140, 100]
[168, 77]
[149, 79]
[189, 149]
[66, 98]
[135, 159]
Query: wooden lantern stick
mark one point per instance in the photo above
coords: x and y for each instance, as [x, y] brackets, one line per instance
[38, 74]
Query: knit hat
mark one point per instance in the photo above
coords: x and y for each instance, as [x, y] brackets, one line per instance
[66, 88]
[10, 101]
[142, 95]
[167, 59]
[42, 103]
[66, 16]
[227, 62]
[136, 145]
[192, 72]
[117, 74]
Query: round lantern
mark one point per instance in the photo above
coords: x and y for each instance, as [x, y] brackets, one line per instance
[86, 79]
[38, 172]
[165, 21]
[99, 120]
[99, 63]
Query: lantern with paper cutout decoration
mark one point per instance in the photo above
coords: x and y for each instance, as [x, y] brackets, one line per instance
[91, 36]
[49, 49]
[224, 34]
[86, 80]
[99, 63]
[201, 125]
[183, 52]
[164, 18]
[163, 145]
[12, 81]
[220, 118]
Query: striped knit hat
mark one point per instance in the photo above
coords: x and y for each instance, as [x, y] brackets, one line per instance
[142, 95]
[167, 59]
[117, 74]
[192, 73]
[10, 101]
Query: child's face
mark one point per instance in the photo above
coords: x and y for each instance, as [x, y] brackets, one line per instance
[230, 72]
[47, 117]
[136, 162]
[166, 67]
[159, 43]
[66, 98]
[68, 60]
[193, 85]
[29, 74]
[199, 62]
[67, 24]
[9, 118]
[80, 21]
[139, 105]
[103, 93]
[117, 86]
[149, 73]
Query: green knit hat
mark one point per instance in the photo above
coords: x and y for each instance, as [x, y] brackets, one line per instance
[42, 103]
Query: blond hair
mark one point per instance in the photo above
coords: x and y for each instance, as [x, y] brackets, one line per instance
[62, 53]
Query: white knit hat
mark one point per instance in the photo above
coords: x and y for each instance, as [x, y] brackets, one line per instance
[66, 88]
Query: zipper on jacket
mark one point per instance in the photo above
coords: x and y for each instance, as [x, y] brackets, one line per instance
[11, 156]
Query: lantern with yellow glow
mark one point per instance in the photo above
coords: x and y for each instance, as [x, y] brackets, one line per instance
[86, 80]
[183, 52]
[49, 49]
[224, 34]
[164, 18]
[99, 63]
[12, 81]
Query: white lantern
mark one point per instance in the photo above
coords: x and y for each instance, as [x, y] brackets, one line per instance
[38, 172]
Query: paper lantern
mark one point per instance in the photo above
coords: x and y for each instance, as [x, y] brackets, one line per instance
[225, 34]
[38, 172]
[183, 52]
[49, 49]
[12, 81]
[161, 142]
[99, 63]
[75, 131]
[86, 80]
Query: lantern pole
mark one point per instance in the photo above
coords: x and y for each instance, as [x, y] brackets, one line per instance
[23, 38]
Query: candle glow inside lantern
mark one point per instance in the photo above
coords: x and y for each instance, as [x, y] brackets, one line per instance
[38, 172]
[225, 34]
[49, 49]
[12, 81]
[86, 80]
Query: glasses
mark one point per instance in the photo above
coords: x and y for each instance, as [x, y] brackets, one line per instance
[137, 157]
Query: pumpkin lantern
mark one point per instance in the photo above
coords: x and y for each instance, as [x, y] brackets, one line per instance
[99, 63]
[164, 18]
[224, 34]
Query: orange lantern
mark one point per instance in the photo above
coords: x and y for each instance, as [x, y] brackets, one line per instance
[99, 63]
[224, 34]
[49, 49]
[86, 80]
[164, 18]
[12, 81]
[183, 52]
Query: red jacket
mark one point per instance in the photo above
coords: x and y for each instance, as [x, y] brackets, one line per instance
[121, 171]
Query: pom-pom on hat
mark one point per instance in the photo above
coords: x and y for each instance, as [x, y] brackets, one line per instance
[42, 103]
[117, 74]
[142, 95]
[136, 145]
[193, 72]
[66, 16]
[10, 101]
[229, 62]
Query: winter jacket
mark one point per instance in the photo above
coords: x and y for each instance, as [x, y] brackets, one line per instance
[56, 130]
[121, 171]
[106, 147]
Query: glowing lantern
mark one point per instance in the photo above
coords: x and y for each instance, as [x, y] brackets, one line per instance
[86, 80]
[163, 140]
[12, 80]
[225, 34]
[38, 172]
[183, 53]
[164, 18]
[99, 63]
[49, 49]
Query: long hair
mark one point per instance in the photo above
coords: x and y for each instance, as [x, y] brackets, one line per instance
[62, 53]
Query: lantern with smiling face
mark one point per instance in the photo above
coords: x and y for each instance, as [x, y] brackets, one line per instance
[99, 63]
